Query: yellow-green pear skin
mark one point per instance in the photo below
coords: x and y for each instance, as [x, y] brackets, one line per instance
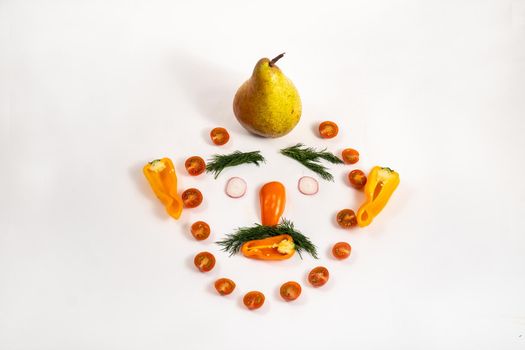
[267, 104]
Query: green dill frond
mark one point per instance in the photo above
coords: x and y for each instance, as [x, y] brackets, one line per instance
[219, 162]
[233, 242]
[310, 158]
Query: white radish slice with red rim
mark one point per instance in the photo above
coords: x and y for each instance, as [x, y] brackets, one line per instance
[236, 187]
[308, 185]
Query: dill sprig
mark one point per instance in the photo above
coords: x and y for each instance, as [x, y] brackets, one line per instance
[310, 158]
[234, 241]
[219, 162]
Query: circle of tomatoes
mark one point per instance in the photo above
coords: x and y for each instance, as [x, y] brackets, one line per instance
[195, 165]
[224, 286]
[200, 230]
[318, 276]
[341, 250]
[191, 198]
[357, 179]
[204, 261]
[328, 129]
[346, 218]
[219, 136]
[290, 291]
[253, 300]
[350, 156]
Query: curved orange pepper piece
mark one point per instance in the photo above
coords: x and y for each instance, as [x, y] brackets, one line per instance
[380, 185]
[271, 248]
[162, 178]
[273, 199]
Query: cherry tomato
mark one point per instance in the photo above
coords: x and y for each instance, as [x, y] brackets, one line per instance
[346, 218]
[350, 156]
[195, 165]
[219, 136]
[357, 179]
[318, 276]
[253, 300]
[224, 286]
[328, 130]
[191, 198]
[200, 230]
[290, 291]
[341, 250]
[204, 261]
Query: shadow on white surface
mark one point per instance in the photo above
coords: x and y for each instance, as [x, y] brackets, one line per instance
[210, 89]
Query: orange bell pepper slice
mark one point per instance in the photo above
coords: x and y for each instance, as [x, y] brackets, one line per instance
[272, 197]
[380, 185]
[162, 178]
[272, 248]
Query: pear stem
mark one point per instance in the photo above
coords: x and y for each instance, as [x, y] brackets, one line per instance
[275, 59]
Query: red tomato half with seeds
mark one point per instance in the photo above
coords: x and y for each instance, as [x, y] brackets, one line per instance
[290, 291]
[224, 286]
[346, 218]
[253, 300]
[318, 276]
[350, 156]
[200, 230]
[191, 198]
[219, 136]
[328, 130]
[357, 179]
[341, 250]
[195, 165]
[204, 261]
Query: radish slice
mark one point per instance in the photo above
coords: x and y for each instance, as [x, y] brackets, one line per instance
[308, 185]
[236, 187]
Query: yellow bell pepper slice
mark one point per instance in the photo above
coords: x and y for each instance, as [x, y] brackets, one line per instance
[162, 178]
[380, 185]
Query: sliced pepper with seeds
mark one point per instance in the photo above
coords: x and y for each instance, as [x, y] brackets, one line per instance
[279, 247]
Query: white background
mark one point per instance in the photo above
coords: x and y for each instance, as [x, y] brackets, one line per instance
[91, 90]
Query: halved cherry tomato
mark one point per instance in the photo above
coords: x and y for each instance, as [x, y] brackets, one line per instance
[328, 129]
[357, 179]
[341, 250]
[318, 276]
[253, 300]
[224, 286]
[200, 230]
[195, 165]
[219, 136]
[350, 156]
[346, 218]
[204, 261]
[191, 198]
[290, 291]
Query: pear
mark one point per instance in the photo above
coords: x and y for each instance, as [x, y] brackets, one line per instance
[267, 104]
